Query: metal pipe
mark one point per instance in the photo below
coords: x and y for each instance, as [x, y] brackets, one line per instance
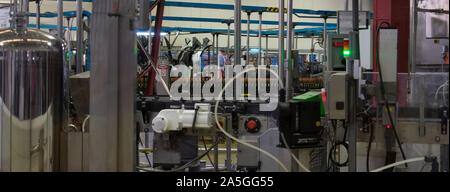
[15, 7]
[213, 48]
[247, 60]
[69, 39]
[228, 149]
[150, 39]
[281, 40]
[289, 49]
[60, 18]
[259, 38]
[325, 40]
[237, 32]
[267, 44]
[217, 51]
[228, 40]
[25, 9]
[412, 41]
[355, 13]
[216, 154]
[38, 14]
[353, 96]
[361, 5]
[293, 37]
[79, 67]
[346, 5]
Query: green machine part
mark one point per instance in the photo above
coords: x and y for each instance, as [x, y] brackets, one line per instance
[311, 96]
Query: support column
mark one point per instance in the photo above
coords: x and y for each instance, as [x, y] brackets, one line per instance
[80, 48]
[247, 61]
[237, 32]
[259, 38]
[60, 18]
[112, 134]
[281, 40]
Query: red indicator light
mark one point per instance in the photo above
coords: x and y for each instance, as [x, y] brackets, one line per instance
[388, 126]
[338, 44]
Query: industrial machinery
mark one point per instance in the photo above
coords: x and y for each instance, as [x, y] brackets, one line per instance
[152, 103]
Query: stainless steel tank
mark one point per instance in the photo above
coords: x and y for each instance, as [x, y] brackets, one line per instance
[33, 101]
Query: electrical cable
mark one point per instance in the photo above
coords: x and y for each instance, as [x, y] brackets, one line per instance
[383, 91]
[206, 148]
[399, 163]
[336, 144]
[219, 98]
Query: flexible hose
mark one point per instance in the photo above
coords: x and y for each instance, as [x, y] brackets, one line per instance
[292, 154]
[399, 163]
[231, 136]
[83, 127]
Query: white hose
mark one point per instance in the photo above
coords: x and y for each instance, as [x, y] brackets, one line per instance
[399, 163]
[443, 91]
[234, 138]
[83, 127]
[292, 154]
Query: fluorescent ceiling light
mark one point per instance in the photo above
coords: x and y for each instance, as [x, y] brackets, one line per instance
[143, 33]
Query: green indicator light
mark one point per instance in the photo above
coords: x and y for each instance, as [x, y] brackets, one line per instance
[347, 53]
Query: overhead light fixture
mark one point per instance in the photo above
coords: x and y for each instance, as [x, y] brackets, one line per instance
[143, 33]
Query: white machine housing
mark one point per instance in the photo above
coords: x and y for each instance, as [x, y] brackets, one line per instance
[178, 119]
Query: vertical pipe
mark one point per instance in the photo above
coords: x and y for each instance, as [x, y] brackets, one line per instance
[217, 51]
[213, 48]
[80, 50]
[267, 44]
[228, 40]
[25, 9]
[412, 41]
[361, 5]
[228, 162]
[281, 40]
[38, 14]
[15, 7]
[346, 5]
[289, 49]
[247, 61]
[353, 89]
[69, 39]
[355, 13]
[60, 18]
[325, 40]
[293, 38]
[216, 154]
[259, 38]
[150, 40]
[237, 32]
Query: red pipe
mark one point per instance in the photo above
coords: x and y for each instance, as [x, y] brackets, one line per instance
[155, 46]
